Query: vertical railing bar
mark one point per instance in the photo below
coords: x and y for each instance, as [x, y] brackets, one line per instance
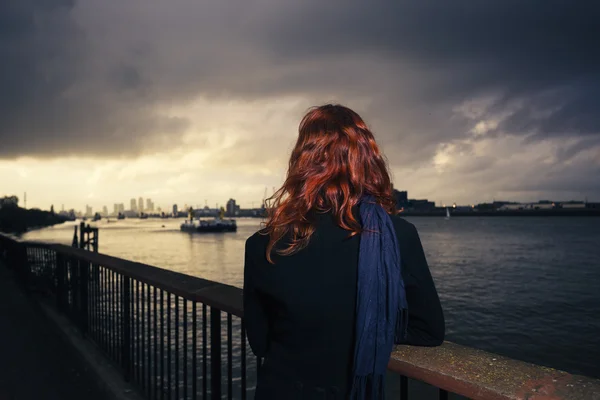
[112, 315]
[96, 301]
[443, 394]
[109, 347]
[86, 294]
[185, 349]
[116, 314]
[102, 323]
[137, 333]
[99, 326]
[148, 347]
[143, 338]
[204, 353]
[116, 318]
[131, 329]
[169, 344]
[176, 347]
[121, 308]
[126, 323]
[194, 351]
[229, 358]
[104, 311]
[243, 366]
[155, 310]
[162, 344]
[215, 353]
[403, 387]
[90, 302]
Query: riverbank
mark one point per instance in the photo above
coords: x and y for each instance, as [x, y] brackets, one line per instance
[559, 212]
[17, 220]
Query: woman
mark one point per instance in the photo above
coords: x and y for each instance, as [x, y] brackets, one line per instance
[335, 278]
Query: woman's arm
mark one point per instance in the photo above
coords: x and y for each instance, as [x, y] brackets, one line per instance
[426, 326]
[255, 317]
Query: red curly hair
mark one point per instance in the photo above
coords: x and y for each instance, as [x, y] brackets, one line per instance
[333, 164]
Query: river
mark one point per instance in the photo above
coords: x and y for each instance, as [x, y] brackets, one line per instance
[527, 288]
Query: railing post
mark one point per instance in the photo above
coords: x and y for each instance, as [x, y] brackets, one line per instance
[125, 328]
[215, 353]
[60, 282]
[84, 269]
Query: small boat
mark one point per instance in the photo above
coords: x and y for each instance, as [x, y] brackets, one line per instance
[121, 216]
[447, 213]
[218, 224]
[143, 216]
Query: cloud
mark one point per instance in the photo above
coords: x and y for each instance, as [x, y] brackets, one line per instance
[230, 80]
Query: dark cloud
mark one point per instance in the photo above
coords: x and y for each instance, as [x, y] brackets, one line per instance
[51, 106]
[90, 77]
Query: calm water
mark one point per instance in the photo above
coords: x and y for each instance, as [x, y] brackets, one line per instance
[528, 288]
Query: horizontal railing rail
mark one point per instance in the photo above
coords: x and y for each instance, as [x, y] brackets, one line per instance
[179, 336]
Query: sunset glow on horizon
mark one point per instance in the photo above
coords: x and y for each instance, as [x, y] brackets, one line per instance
[192, 102]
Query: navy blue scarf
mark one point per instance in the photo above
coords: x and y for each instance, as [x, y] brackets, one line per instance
[381, 308]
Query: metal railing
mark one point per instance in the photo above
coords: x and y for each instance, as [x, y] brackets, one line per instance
[180, 337]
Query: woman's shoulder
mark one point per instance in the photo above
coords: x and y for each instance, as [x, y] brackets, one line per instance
[257, 243]
[256, 239]
[403, 227]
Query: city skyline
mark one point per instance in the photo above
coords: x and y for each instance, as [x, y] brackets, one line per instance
[120, 207]
[97, 104]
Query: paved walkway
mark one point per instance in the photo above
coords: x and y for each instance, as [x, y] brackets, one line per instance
[36, 363]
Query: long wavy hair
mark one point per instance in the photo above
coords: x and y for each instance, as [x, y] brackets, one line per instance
[333, 164]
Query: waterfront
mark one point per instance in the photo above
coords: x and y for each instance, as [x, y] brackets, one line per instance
[522, 287]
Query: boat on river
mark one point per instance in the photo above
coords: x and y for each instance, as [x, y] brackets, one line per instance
[217, 224]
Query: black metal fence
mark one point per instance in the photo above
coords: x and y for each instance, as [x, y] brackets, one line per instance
[180, 337]
[173, 335]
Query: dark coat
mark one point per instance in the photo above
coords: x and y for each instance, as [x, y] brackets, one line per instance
[300, 312]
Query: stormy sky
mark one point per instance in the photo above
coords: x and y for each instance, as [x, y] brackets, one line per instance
[186, 101]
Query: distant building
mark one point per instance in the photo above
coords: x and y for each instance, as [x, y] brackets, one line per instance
[421, 205]
[175, 210]
[149, 205]
[133, 205]
[401, 198]
[104, 211]
[9, 201]
[527, 206]
[513, 206]
[141, 204]
[88, 211]
[232, 208]
[573, 204]
[121, 207]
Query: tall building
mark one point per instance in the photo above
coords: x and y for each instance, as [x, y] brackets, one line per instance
[115, 208]
[140, 204]
[149, 205]
[121, 207]
[401, 198]
[231, 207]
[88, 211]
[175, 211]
[104, 211]
[133, 205]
